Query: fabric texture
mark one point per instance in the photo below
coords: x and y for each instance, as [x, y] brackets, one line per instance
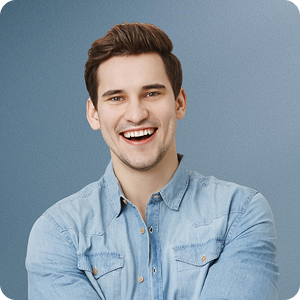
[202, 238]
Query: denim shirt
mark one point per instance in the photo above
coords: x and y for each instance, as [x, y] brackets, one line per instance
[202, 239]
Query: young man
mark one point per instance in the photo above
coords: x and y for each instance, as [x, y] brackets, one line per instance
[149, 228]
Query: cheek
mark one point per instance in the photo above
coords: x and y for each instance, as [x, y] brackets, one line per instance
[167, 111]
[106, 121]
[169, 122]
[106, 127]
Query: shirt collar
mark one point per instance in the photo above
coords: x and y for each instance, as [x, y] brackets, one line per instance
[114, 188]
[172, 193]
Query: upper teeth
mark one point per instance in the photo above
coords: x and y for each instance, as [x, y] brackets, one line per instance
[138, 133]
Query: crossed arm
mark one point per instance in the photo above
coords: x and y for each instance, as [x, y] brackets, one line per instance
[245, 270]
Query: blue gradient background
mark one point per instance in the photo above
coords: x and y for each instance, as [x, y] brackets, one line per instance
[241, 65]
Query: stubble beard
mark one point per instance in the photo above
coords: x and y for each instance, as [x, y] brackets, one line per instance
[145, 166]
[152, 162]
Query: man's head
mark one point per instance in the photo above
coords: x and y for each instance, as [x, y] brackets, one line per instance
[132, 39]
[136, 97]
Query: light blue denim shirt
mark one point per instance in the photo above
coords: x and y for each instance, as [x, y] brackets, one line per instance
[202, 239]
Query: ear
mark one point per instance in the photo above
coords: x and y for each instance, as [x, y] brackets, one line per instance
[181, 104]
[92, 115]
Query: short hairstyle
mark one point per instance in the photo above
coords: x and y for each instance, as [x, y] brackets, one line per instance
[131, 39]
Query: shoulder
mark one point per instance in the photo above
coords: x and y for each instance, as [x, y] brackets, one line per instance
[210, 198]
[85, 213]
[213, 190]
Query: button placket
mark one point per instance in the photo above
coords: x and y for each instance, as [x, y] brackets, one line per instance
[155, 259]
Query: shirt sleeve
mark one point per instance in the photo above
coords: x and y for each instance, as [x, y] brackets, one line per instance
[51, 264]
[247, 267]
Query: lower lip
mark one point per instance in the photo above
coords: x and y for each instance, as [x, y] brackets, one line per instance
[141, 142]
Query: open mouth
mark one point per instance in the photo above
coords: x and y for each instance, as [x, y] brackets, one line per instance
[139, 135]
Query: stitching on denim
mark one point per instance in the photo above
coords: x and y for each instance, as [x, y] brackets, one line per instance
[205, 224]
[180, 196]
[111, 201]
[110, 197]
[51, 220]
[79, 231]
[207, 260]
[222, 183]
[84, 254]
[201, 179]
[116, 266]
[221, 240]
[243, 210]
[183, 191]
[78, 195]
[219, 246]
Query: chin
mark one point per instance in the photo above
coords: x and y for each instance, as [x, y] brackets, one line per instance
[142, 165]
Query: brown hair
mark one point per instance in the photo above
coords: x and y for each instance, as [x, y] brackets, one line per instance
[131, 39]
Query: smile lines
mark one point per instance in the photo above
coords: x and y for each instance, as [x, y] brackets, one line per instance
[138, 133]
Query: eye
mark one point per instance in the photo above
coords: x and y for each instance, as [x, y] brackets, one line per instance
[115, 99]
[152, 94]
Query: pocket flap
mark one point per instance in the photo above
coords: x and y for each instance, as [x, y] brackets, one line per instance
[100, 263]
[199, 254]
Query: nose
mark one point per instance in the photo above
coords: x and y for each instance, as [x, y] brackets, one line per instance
[136, 111]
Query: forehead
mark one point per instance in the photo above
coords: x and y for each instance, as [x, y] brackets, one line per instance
[134, 71]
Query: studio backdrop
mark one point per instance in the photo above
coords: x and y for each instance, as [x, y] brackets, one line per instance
[241, 68]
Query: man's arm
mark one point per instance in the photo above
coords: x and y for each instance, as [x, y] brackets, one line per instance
[51, 263]
[247, 268]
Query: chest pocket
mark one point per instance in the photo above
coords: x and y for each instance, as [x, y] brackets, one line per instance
[106, 270]
[193, 262]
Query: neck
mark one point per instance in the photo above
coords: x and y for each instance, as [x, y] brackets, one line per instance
[138, 185]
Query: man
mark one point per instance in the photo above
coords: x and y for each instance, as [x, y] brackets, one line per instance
[149, 228]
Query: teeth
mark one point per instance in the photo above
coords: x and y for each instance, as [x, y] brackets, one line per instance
[138, 133]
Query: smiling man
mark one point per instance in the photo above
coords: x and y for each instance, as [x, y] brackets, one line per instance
[149, 228]
[137, 114]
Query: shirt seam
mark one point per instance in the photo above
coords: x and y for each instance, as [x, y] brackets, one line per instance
[110, 199]
[218, 217]
[79, 195]
[51, 220]
[243, 211]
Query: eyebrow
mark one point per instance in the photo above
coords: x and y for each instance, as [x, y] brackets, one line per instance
[153, 86]
[112, 92]
[146, 87]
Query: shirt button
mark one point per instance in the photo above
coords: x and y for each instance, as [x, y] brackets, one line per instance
[151, 229]
[154, 270]
[125, 202]
[142, 230]
[203, 258]
[95, 271]
[140, 279]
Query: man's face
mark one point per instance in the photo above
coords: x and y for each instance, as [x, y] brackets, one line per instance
[137, 111]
